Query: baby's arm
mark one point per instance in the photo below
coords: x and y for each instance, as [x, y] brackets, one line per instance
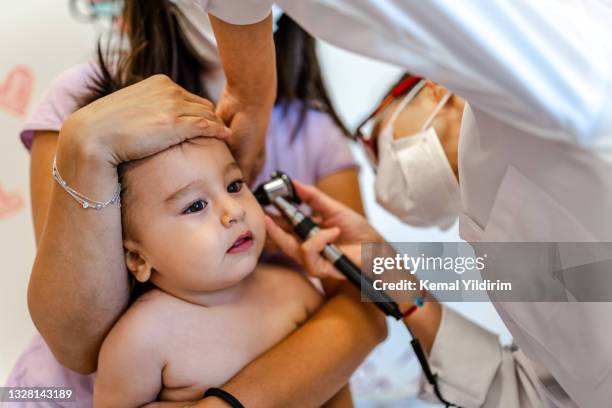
[129, 366]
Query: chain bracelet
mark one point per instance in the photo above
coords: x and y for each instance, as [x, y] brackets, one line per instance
[80, 198]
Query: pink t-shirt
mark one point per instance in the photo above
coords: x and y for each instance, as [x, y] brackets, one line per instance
[319, 149]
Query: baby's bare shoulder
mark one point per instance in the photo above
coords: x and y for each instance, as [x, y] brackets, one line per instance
[150, 319]
[269, 274]
[287, 284]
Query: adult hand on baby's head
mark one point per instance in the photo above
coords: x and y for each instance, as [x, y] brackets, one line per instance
[141, 120]
[340, 225]
[249, 124]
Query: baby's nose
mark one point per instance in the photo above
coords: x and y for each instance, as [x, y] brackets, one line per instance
[233, 213]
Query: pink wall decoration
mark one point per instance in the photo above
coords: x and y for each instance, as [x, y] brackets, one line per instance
[10, 203]
[16, 90]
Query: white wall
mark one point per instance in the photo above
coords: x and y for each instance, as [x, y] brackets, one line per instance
[42, 37]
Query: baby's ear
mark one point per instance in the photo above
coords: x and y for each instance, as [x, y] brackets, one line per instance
[137, 265]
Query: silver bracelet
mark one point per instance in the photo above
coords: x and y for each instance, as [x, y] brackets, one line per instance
[80, 198]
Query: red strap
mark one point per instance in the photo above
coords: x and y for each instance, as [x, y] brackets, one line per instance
[410, 311]
[405, 86]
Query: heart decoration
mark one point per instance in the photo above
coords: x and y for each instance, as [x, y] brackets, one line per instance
[10, 203]
[16, 90]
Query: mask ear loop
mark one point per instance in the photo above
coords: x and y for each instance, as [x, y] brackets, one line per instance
[437, 110]
[407, 99]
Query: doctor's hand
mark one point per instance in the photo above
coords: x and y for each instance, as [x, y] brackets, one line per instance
[249, 63]
[339, 225]
[249, 124]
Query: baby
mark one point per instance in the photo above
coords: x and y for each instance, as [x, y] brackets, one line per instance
[195, 232]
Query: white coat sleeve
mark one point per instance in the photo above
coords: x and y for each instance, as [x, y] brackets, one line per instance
[239, 12]
[475, 370]
[542, 66]
[537, 65]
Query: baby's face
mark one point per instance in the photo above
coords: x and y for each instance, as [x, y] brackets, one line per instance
[192, 223]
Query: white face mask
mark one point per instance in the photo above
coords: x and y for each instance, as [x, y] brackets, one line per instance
[414, 179]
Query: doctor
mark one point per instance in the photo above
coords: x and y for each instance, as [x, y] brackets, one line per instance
[534, 157]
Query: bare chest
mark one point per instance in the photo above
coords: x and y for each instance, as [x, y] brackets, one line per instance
[209, 346]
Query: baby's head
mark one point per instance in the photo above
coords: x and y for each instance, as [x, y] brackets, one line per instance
[190, 223]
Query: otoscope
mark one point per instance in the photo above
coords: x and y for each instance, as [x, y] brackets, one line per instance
[279, 191]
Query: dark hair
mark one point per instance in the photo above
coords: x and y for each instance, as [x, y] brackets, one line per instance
[158, 46]
[299, 74]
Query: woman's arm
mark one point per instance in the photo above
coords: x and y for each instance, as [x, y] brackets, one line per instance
[311, 365]
[44, 145]
[343, 186]
[79, 284]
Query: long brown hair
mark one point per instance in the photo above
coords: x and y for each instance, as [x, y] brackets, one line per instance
[158, 46]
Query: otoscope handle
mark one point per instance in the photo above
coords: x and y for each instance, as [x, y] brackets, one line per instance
[307, 228]
[380, 299]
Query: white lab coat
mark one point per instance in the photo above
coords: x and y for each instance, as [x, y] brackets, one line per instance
[535, 156]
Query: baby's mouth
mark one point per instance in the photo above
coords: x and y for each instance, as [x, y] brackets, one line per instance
[244, 242]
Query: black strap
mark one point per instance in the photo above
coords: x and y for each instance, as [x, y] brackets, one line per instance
[225, 396]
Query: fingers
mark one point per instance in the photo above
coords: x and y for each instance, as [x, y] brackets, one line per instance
[174, 90]
[281, 222]
[257, 166]
[187, 108]
[250, 159]
[211, 126]
[191, 97]
[285, 241]
[270, 245]
[307, 253]
[194, 107]
[188, 127]
[311, 250]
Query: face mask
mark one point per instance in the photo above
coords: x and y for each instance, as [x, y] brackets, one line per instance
[414, 179]
[195, 25]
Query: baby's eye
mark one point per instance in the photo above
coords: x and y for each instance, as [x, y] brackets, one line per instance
[196, 206]
[235, 186]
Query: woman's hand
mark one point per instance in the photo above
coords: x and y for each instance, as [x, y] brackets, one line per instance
[340, 225]
[141, 120]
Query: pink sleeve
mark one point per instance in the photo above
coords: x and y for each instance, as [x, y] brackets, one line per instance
[59, 101]
[332, 146]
